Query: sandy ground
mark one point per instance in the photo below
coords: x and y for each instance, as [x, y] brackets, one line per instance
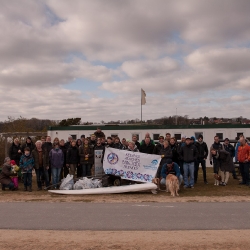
[44, 196]
[92, 240]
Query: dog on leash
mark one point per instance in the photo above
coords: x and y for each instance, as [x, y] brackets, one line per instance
[172, 185]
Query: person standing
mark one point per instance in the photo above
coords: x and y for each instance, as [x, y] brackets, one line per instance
[231, 150]
[41, 164]
[28, 144]
[15, 151]
[72, 158]
[99, 134]
[213, 161]
[244, 161]
[189, 155]
[175, 152]
[27, 164]
[48, 147]
[86, 153]
[56, 158]
[201, 159]
[135, 140]
[65, 169]
[147, 147]
[159, 145]
[181, 144]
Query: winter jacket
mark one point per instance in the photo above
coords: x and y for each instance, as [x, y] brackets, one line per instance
[175, 152]
[180, 145]
[133, 150]
[147, 149]
[47, 146]
[225, 160]
[92, 143]
[175, 169]
[45, 157]
[151, 141]
[166, 153]
[230, 149]
[86, 151]
[216, 146]
[5, 174]
[72, 156]
[31, 146]
[64, 150]
[118, 145]
[243, 153]
[26, 163]
[56, 158]
[13, 152]
[157, 148]
[189, 153]
[236, 150]
[202, 150]
[137, 144]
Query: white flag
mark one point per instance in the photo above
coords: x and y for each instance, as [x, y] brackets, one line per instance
[143, 97]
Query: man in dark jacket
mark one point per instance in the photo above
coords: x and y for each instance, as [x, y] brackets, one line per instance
[99, 134]
[159, 145]
[216, 162]
[201, 159]
[41, 164]
[189, 155]
[135, 140]
[28, 144]
[47, 145]
[15, 151]
[147, 147]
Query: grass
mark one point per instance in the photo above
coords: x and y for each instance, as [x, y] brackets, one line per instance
[200, 189]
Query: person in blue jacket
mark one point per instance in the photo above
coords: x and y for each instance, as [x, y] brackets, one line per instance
[170, 167]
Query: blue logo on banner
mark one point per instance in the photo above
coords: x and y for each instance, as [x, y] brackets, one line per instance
[112, 158]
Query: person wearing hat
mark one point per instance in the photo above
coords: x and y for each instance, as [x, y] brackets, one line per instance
[231, 150]
[189, 155]
[5, 175]
[27, 164]
[170, 167]
[159, 145]
[201, 159]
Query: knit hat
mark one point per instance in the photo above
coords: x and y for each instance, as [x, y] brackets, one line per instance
[12, 162]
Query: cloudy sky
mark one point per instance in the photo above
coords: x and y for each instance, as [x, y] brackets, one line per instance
[90, 58]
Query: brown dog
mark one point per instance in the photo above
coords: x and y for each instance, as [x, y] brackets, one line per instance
[172, 184]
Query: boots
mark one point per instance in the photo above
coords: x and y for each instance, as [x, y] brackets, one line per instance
[29, 189]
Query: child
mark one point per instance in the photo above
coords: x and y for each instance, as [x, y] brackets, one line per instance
[26, 165]
[14, 170]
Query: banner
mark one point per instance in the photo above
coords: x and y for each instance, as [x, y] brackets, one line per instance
[98, 162]
[131, 165]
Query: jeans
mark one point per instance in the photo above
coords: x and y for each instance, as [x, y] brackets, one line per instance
[10, 185]
[196, 170]
[55, 176]
[180, 178]
[86, 169]
[244, 170]
[39, 174]
[188, 171]
[27, 179]
[46, 177]
[181, 167]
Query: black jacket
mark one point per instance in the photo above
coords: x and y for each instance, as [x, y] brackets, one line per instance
[147, 149]
[31, 146]
[188, 153]
[175, 152]
[230, 149]
[72, 156]
[157, 148]
[166, 153]
[202, 150]
[118, 145]
[64, 149]
[13, 152]
[47, 146]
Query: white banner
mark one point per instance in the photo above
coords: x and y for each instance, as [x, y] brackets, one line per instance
[131, 165]
[98, 162]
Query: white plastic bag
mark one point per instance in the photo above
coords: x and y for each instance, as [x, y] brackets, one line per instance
[67, 183]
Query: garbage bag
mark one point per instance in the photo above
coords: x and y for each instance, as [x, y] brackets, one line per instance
[86, 183]
[67, 183]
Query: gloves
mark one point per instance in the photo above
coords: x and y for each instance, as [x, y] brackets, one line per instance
[211, 163]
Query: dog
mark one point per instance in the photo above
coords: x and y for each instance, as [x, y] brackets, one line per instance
[217, 179]
[156, 181]
[172, 185]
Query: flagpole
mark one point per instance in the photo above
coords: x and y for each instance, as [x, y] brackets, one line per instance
[141, 107]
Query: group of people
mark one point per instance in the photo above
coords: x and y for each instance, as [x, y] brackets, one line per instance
[54, 160]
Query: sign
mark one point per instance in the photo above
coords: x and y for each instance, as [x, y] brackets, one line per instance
[131, 165]
[98, 162]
